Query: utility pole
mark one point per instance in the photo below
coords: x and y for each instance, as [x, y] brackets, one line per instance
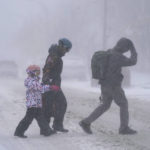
[104, 38]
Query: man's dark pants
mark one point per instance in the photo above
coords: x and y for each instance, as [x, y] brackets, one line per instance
[110, 93]
[54, 105]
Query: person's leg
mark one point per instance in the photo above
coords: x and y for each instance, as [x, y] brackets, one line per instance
[106, 100]
[24, 123]
[60, 110]
[43, 124]
[121, 100]
[47, 101]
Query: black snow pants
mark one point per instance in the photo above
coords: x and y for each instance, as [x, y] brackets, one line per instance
[54, 105]
[32, 113]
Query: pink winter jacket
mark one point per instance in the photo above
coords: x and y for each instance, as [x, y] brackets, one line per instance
[34, 92]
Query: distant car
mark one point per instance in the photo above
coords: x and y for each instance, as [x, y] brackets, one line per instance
[8, 69]
[74, 68]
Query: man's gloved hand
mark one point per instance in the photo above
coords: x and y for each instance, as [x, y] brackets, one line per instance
[54, 88]
[132, 48]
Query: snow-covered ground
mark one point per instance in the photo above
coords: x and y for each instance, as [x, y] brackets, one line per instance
[82, 99]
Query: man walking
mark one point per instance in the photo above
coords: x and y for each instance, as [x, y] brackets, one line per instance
[111, 88]
[54, 102]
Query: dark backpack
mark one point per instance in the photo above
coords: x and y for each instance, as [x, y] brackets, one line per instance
[99, 64]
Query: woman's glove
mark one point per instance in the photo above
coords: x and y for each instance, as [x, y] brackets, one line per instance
[54, 88]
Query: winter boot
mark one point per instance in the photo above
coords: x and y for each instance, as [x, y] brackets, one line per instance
[86, 127]
[127, 130]
[48, 133]
[60, 129]
[20, 135]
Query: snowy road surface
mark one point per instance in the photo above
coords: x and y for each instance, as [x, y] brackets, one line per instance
[81, 101]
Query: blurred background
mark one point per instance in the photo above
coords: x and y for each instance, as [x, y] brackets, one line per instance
[29, 27]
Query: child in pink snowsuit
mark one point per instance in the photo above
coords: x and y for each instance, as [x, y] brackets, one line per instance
[34, 103]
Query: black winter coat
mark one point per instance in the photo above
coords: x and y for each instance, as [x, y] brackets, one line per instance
[53, 67]
[116, 61]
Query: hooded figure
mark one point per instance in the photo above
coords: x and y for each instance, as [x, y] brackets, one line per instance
[34, 103]
[54, 103]
[111, 86]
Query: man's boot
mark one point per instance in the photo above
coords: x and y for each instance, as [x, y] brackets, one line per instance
[47, 133]
[127, 130]
[86, 127]
[60, 129]
[58, 126]
[20, 135]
